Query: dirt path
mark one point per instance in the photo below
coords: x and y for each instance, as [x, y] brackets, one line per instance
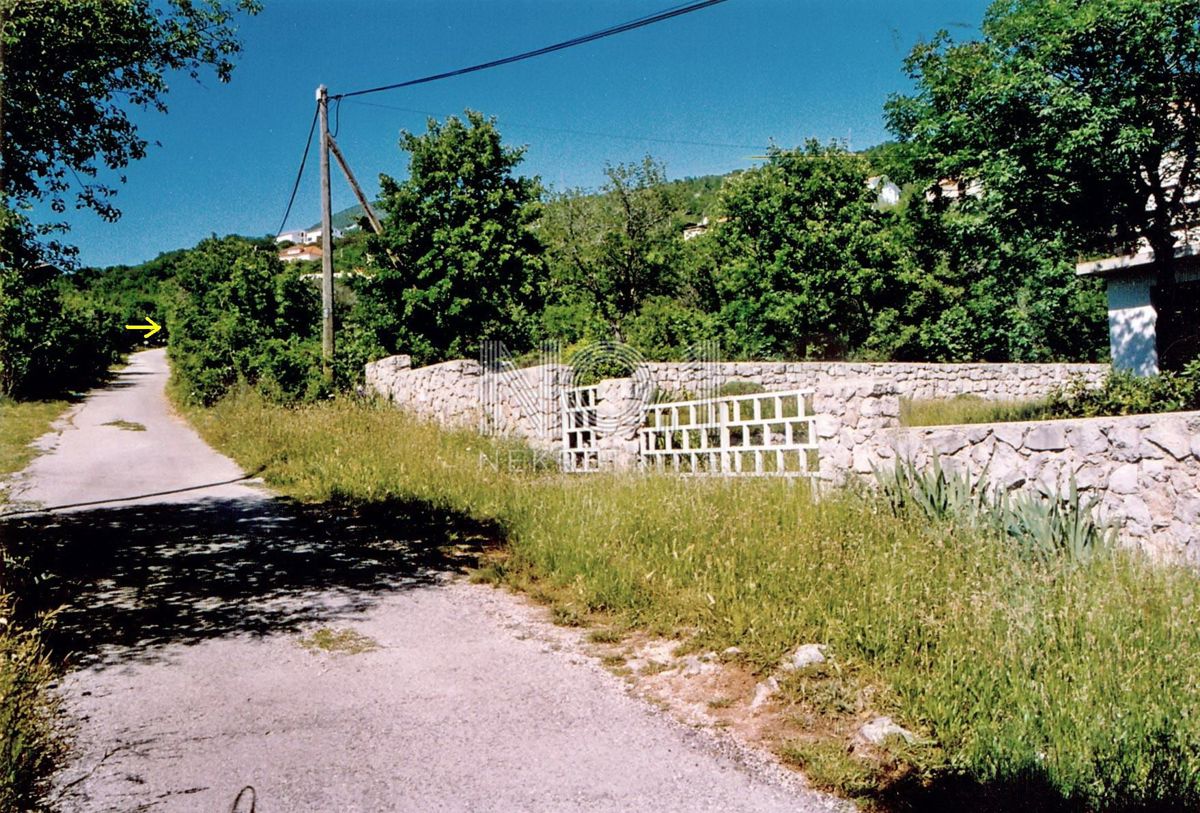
[185, 619]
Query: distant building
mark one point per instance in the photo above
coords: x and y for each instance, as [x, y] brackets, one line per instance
[296, 236]
[1145, 331]
[694, 230]
[953, 189]
[887, 193]
[304, 237]
[295, 254]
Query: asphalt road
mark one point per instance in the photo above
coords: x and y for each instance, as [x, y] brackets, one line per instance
[183, 625]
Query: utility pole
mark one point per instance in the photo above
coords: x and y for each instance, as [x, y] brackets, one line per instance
[326, 240]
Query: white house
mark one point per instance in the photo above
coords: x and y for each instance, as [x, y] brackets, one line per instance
[1144, 330]
[304, 237]
[887, 193]
[296, 236]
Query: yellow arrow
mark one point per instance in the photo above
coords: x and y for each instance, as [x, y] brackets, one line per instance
[151, 328]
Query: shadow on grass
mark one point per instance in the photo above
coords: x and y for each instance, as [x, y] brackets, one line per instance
[1028, 790]
[133, 580]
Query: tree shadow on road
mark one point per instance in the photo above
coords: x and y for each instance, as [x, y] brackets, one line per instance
[132, 580]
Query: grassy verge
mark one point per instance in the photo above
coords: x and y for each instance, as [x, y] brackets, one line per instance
[970, 409]
[1044, 683]
[31, 743]
[22, 422]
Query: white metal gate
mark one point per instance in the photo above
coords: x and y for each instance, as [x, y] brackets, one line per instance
[579, 430]
[772, 433]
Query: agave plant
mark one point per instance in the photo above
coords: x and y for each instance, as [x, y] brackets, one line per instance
[1045, 525]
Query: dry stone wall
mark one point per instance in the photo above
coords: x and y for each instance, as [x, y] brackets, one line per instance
[912, 380]
[1142, 470]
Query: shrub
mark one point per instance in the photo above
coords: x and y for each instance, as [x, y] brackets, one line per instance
[241, 316]
[1124, 393]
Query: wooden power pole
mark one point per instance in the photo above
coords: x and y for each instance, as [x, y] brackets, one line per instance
[326, 239]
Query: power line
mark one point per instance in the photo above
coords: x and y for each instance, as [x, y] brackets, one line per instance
[570, 131]
[641, 22]
[299, 172]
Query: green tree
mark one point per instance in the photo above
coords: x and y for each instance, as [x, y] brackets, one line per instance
[799, 256]
[614, 250]
[70, 75]
[1078, 120]
[457, 261]
[97, 60]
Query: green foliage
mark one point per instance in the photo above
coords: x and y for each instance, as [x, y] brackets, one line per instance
[241, 316]
[616, 249]
[1075, 125]
[457, 261]
[50, 341]
[1046, 680]
[1123, 393]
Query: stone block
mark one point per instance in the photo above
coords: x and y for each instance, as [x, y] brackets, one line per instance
[1050, 437]
[1124, 479]
[1171, 437]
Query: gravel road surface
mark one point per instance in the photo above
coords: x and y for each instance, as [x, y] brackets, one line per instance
[185, 622]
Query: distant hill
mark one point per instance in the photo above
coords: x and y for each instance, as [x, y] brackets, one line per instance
[348, 217]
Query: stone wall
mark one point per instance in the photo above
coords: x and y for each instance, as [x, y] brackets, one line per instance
[1144, 470]
[912, 380]
[520, 403]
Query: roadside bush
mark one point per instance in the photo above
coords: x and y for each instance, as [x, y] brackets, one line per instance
[50, 343]
[288, 371]
[240, 316]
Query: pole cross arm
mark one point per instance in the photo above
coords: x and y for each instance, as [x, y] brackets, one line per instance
[362, 199]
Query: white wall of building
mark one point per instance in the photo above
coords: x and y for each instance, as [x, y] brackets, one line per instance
[1131, 322]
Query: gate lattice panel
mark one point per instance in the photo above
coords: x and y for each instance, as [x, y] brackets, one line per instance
[580, 432]
[763, 434]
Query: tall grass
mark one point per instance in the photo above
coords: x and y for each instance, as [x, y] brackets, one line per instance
[32, 743]
[1037, 675]
[964, 409]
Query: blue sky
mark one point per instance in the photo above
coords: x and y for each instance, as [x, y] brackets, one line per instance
[740, 74]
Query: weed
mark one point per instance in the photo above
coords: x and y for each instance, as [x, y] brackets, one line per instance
[128, 426]
[607, 635]
[344, 641]
[829, 764]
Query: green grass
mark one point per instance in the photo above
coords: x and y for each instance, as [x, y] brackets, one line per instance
[970, 409]
[1044, 680]
[22, 422]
